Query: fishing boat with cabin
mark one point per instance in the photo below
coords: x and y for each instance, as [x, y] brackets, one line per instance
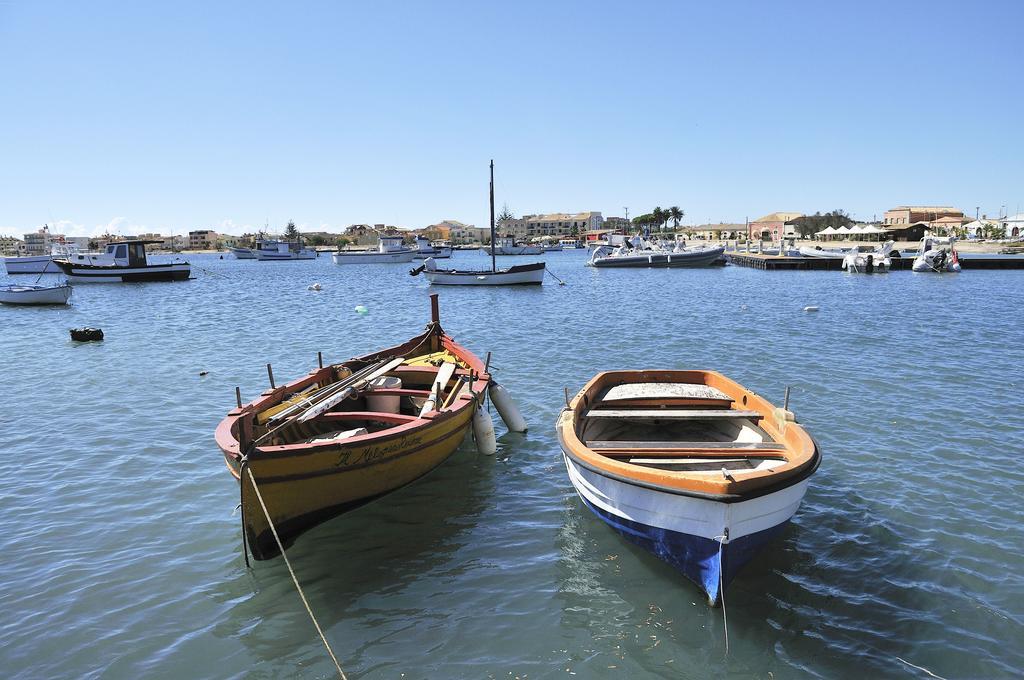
[690, 465]
[349, 433]
[121, 262]
[390, 250]
[516, 275]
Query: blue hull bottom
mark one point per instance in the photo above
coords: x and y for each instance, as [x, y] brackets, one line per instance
[698, 558]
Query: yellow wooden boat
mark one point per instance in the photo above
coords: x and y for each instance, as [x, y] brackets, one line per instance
[349, 433]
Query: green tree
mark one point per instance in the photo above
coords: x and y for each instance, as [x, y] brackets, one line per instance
[291, 233]
[505, 214]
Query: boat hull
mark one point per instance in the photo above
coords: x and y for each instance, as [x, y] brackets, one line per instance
[274, 256]
[40, 264]
[521, 275]
[437, 254]
[687, 531]
[35, 295]
[243, 253]
[305, 490]
[373, 257]
[86, 273]
[704, 258]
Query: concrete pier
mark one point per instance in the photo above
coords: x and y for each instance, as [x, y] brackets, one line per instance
[781, 263]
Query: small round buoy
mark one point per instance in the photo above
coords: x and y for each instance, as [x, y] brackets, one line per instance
[86, 334]
[361, 309]
[811, 308]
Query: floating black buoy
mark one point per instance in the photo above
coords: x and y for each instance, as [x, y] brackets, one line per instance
[86, 334]
[202, 373]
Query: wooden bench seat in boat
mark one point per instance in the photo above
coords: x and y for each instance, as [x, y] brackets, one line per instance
[662, 391]
[601, 444]
[396, 392]
[671, 414]
[375, 416]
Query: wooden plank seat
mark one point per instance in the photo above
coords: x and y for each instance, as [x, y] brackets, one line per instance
[375, 416]
[396, 392]
[672, 414]
[663, 390]
[720, 454]
[601, 444]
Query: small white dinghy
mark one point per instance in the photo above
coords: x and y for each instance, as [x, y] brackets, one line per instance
[35, 295]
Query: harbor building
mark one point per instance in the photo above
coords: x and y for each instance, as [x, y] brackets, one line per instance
[551, 224]
[202, 239]
[1014, 225]
[617, 224]
[10, 245]
[909, 214]
[773, 226]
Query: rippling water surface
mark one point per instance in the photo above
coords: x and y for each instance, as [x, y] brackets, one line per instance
[122, 556]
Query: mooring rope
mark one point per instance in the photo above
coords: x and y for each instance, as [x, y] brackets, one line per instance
[291, 571]
[721, 587]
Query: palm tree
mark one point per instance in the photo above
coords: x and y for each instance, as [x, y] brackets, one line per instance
[660, 216]
[676, 214]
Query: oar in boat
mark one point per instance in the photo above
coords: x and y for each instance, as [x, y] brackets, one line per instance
[310, 411]
[444, 374]
[315, 397]
[338, 397]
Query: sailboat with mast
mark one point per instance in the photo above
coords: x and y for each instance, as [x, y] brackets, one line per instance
[516, 275]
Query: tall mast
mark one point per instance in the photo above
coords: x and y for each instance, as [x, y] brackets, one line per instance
[494, 266]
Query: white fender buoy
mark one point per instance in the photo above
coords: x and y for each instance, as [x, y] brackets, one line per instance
[507, 409]
[483, 432]
[811, 308]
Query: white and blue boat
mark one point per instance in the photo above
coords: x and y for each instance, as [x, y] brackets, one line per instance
[690, 465]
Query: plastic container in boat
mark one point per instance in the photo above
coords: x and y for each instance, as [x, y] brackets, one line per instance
[384, 403]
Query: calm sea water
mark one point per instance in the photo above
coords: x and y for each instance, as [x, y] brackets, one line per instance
[122, 556]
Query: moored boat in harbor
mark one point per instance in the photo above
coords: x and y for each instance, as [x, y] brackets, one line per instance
[349, 433]
[517, 275]
[937, 254]
[688, 464]
[389, 250]
[638, 252]
[122, 262]
[35, 295]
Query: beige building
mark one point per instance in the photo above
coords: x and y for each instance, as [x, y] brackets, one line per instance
[909, 214]
[9, 245]
[202, 239]
[551, 224]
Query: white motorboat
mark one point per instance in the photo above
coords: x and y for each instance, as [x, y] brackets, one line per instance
[826, 253]
[873, 261]
[389, 250]
[244, 253]
[283, 251]
[39, 264]
[937, 254]
[122, 262]
[506, 245]
[425, 249]
[638, 252]
[518, 275]
[35, 295]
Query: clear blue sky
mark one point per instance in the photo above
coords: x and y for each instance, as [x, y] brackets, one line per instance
[197, 115]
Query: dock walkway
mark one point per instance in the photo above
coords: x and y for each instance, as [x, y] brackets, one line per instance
[782, 263]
